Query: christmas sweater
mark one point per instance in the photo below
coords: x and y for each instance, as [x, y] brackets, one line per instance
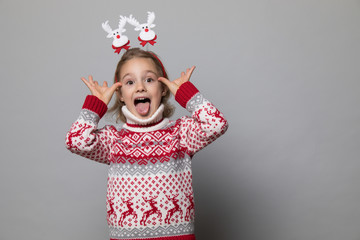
[149, 190]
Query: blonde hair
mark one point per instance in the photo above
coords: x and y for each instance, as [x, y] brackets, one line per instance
[139, 53]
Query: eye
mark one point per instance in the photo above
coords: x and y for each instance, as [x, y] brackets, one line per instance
[129, 82]
[149, 80]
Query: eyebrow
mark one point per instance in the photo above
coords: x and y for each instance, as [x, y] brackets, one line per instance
[146, 71]
[149, 71]
[124, 76]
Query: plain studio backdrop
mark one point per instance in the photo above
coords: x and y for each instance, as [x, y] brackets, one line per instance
[284, 73]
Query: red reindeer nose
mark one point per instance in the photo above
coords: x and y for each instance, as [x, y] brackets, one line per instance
[118, 36]
[146, 30]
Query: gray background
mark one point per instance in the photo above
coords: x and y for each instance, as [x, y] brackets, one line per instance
[285, 74]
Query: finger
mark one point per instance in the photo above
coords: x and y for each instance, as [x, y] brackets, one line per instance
[96, 83]
[105, 84]
[115, 86]
[89, 85]
[191, 70]
[85, 81]
[173, 87]
[118, 84]
[91, 78]
[164, 81]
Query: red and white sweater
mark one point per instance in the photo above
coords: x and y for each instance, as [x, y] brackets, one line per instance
[149, 192]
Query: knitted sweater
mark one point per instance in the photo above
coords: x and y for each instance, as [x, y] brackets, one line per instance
[149, 191]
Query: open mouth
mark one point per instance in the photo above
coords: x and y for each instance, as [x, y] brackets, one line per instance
[141, 100]
[142, 105]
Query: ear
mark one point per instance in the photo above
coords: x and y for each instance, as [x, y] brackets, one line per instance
[164, 91]
[119, 95]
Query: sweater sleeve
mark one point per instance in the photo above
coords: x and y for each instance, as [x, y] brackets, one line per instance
[206, 123]
[85, 139]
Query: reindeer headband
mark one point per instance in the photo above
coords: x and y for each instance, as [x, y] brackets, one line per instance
[121, 41]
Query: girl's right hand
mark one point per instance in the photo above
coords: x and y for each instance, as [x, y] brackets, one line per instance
[104, 93]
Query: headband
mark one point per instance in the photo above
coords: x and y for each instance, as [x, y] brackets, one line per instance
[121, 41]
[162, 66]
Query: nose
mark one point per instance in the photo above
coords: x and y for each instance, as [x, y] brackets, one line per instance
[140, 87]
[118, 36]
[146, 30]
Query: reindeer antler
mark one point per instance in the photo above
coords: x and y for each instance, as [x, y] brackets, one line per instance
[129, 199]
[173, 197]
[150, 198]
[122, 23]
[151, 18]
[106, 27]
[133, 21]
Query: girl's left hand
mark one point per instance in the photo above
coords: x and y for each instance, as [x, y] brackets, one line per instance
[174, 85]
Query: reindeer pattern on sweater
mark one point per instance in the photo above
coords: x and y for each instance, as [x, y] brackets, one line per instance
[149, 191]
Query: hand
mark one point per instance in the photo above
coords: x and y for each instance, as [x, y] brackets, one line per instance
[104, 93]
[174, 85]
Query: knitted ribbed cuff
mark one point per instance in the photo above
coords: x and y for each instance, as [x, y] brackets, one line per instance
[185, 92]
[95, 105]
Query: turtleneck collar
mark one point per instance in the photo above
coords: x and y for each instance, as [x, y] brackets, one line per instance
[152, 123]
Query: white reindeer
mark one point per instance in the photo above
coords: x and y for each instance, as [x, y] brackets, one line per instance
[120, 41]
[147, 35]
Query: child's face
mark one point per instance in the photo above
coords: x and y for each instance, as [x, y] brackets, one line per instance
[141, 91]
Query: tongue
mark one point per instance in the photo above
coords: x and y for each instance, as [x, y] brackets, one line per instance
[143, 108]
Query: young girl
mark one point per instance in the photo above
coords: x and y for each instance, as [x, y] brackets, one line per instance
[149, 192]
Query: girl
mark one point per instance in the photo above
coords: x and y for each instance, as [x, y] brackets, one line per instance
[149, 192]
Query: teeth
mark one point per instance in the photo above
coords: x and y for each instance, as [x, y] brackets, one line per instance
[141, 100]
